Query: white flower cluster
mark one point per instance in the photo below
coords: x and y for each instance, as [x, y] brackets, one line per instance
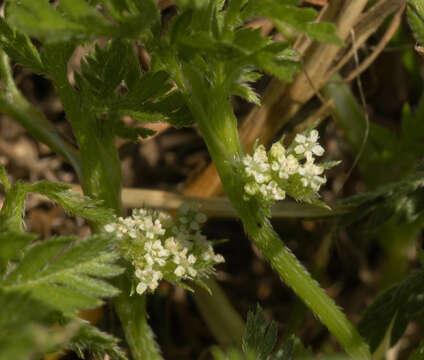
[293, 171]
[161, 247]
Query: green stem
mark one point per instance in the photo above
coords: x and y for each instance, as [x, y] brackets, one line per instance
[14, 104]
[101, 179]
[132, 312]
[219, 130]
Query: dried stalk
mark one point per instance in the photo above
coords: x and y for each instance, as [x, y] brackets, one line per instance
[392, 28]
[214, 206]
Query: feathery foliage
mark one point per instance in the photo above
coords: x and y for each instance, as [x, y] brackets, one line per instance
[25, 331]
[400, 304]
[96, 342]
[65, 273]
[259, 341]
[401, 202]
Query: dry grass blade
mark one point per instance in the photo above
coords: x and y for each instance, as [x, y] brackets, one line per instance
[394, 25]
[214, 206]
[368, 24]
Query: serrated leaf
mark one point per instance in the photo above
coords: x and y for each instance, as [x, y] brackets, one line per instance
[39, 19]
[59, 272]
[246, 92]
[402, 302]
[97, 342]
[25, 330]
[72, 202]
[280, 68]
[104, 68]
[76, 19]
[149, 97]
[403, 201]
[259, 338]
[130, 133]
[20, 48]
[12, 245]
[285, 14]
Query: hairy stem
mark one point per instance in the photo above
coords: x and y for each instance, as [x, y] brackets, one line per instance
[132, 312]
[218, 127]
[101, 179]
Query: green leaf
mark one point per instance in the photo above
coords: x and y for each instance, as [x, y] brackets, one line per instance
[12, 245]
[25, 327]
[64, 273]
[246, 92]
[402, 302]
[129, 133]
[323, 32]
[39, 19]
[96, 342]
[260, 338]
[20, 48]
[104, 68]
[148, 97]
[415, 12]
[401, 201]
[72, 202]
[76, 19]
[26, 331]
[284, 14]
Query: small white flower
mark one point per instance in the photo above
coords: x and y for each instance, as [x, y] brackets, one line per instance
[179, 271]
[110, 228]
[301, 139]
[269, 176]
[318, 150]
[313, 136]
[299, 149]
[192, 271]
[160, 247]
[141, 288]
[250, 188]
[277, 150]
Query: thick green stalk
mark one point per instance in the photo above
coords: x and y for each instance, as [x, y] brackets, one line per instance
[101, 179]
[218, 127]
[138, 333]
